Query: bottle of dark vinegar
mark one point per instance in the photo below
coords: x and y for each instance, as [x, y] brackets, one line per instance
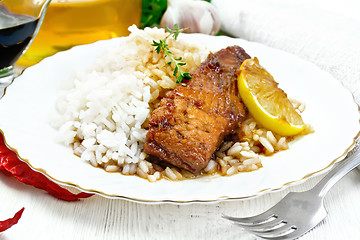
[16, 31]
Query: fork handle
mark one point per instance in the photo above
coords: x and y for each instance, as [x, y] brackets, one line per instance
[337, 173]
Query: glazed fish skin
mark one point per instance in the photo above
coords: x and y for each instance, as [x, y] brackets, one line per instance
[186, 131]
[193, 119]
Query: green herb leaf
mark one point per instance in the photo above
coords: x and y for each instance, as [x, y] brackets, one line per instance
[176, 70]
[186, 75]
[179, 79]
[163, 46]
[168, 29]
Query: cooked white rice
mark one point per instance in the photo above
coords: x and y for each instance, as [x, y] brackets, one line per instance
[103, 111]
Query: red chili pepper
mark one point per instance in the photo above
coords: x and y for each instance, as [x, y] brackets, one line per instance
[10, 162]
[4, 225]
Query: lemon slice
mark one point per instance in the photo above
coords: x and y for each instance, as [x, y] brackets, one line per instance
[267, 103]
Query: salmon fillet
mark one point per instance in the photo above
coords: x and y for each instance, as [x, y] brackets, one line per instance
[192, 120]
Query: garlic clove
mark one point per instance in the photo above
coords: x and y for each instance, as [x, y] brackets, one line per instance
[209, 22]
[196, 16]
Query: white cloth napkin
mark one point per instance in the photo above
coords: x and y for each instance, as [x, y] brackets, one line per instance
[325, 32]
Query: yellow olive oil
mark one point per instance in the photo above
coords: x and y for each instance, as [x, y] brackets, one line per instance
[69, 23]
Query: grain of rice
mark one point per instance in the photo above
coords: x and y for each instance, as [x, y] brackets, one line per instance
[120, 161]
[99, 160]
[266, 143]
[77, 124]
[256, 137]
[144, 167]
[226, 146]
[224, 166]
[234, 162]
[76, 144]
[231, 171]
[115, 156]
[252, 167]
[105, 159]
[126, 169]
[157, 167]
[270, 136]
[142, 156]
[227, 158]
[132, 168]
[259, 132]
[152, 178]
[112, 168]
[141, 173]
[170, 174]
[248, 121]
[235, 149]
[245, 145]
[211, 166]
[160, 74]
[79, 150]
[157, 175]
[282, 144]
[248, 154]
[154, 95]
[246, 129]
[110, 125]
[187, 174]
[252, 125]
[92, 161]
[255, 149]
[241, 168]
[101, 149]
[177, 173]
[109, 154]
[166, 82]
[98, 156]
[251, 161]
[220, 154]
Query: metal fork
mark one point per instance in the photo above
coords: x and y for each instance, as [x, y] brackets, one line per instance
[298, 212]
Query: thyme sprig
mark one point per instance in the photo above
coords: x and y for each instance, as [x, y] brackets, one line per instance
[163, 46]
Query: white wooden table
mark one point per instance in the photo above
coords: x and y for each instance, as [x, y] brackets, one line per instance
[99, 218]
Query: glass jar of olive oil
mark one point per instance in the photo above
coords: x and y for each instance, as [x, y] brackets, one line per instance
[74, 22]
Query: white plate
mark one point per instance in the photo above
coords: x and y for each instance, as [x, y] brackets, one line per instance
[331, 110]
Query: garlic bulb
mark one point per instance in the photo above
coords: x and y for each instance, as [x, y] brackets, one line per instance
[197, 16]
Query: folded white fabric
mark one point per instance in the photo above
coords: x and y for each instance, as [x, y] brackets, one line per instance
[325, 32]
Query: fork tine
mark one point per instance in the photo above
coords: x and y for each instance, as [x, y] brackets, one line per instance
[254, 220]
[293, 235]
[284, 232]
[264, 227]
